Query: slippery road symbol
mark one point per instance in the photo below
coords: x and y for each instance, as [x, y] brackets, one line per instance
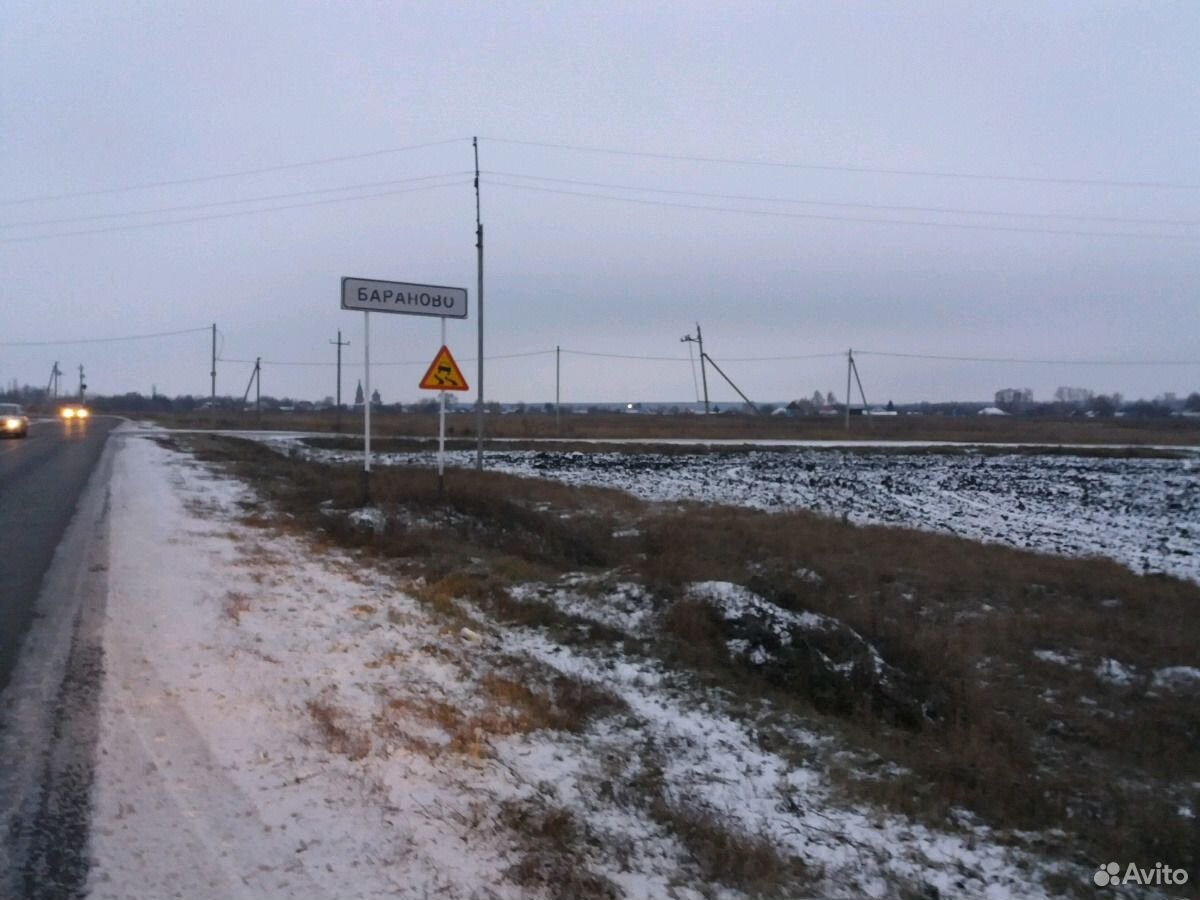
[443, 374]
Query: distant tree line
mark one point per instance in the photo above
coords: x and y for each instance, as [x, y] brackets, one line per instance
[1068, 401]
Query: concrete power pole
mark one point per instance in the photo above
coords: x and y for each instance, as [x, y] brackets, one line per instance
[699, 339]
[479, 313]
[340, 344]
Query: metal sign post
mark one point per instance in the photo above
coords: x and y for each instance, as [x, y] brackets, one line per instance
[443, 375]
[367, 408]
[371, 295]
[442, 429]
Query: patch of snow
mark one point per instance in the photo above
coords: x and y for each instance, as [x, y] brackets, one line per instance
[624, 606]
[809, 576]
[1177, 676]
[368, 518]
[737, 602]
[716, 763]
[1059, 659]
[1114, 672]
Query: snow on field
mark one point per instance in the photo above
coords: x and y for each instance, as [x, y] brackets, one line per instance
[1144, 513]
[281, 719]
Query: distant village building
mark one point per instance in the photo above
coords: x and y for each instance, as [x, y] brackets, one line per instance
[358, 395]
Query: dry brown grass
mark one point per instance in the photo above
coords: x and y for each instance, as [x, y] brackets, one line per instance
[1022, 743]
[236, 604]
[726, 854]
[335, 727]
[554, 847]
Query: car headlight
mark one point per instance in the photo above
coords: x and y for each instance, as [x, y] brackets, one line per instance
[12, 424]
[68, 413]
[82, 413]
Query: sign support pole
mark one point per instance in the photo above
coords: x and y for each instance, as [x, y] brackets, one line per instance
[367, 408]
[442, 430]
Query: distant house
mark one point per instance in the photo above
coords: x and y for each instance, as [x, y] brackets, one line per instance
[992, 411]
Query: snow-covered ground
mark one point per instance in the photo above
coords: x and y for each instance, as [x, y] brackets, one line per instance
[1144, 513]
[282, 719]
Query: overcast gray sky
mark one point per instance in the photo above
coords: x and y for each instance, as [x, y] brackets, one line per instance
[95, 96]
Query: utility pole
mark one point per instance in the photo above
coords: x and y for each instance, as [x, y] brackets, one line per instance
[861, 392]
[340, 344]
[699, 339]
[256, 380]
[849, 367]
[479, 290]
[52, 384]
[557, 388]
[82, 384]
[212, 396]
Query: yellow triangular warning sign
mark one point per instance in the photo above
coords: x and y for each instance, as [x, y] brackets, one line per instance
[444, 374]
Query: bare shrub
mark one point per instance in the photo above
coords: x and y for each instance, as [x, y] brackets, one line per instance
[340, 736]
[236, 603]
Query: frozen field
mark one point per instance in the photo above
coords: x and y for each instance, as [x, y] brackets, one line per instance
[1144, 513]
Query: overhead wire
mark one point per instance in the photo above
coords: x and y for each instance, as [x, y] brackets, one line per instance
[161, 210]
[825, 167]
[850, 205]
[229, 215]
[1027, 361]
[197, 179]
[102, 340]
[855, 219]
[405, 362]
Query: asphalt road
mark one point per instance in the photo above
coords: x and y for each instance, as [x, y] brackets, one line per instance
[41, 480]
[53, 584]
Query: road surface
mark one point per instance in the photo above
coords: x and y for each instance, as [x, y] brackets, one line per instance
[53, 560]
[41, 479]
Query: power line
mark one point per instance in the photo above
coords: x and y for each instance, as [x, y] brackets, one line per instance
[839, 354]
[874, 206]
[859, 219]
[103, 340]
[406, 362]
[259, 199]
[234, 174]
[626, 356]
[924, 173]
[1047, 362]
[688, 359]
[230, 215]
